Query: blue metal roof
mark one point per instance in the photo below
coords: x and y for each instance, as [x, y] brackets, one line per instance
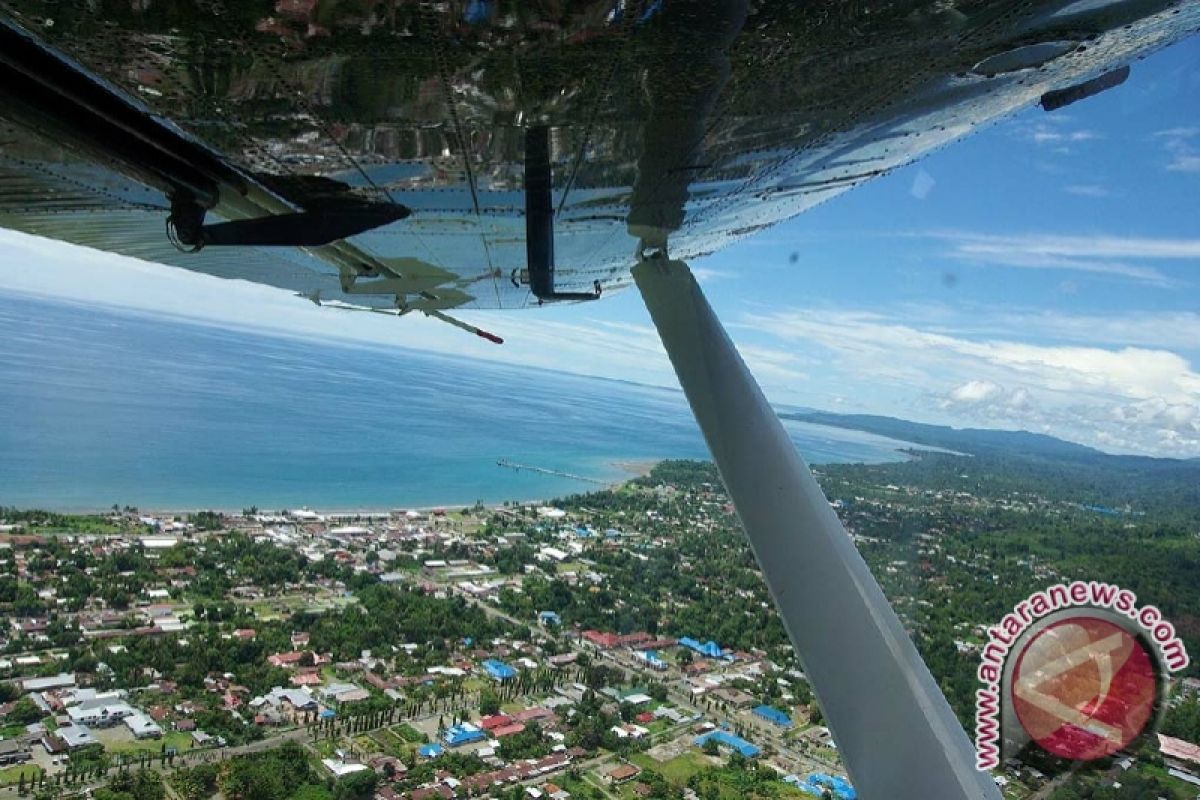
[840, 787]
[709, 648]
[771, 714]
[729, 740]
[461, 734]
[499, 670]
[432, 750]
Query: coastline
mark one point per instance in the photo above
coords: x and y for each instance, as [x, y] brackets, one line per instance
[633, 468]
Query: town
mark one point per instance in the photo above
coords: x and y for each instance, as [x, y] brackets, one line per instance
[608, 646]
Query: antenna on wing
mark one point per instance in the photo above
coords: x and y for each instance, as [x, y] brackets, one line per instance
[400, 311]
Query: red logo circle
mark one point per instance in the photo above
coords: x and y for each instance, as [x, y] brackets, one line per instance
[1084, 687]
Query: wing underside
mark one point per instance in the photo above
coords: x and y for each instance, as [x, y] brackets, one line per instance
[713, 125]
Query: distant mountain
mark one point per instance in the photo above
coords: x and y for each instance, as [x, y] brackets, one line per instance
[1015, 458]
[979, 441]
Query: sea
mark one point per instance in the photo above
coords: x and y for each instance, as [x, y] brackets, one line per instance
[100, 407]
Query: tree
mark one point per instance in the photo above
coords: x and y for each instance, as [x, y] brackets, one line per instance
[23, 712]
[489, 703]
[356, 786]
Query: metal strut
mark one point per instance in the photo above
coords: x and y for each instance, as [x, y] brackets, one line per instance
[895, 730]
[539, 220]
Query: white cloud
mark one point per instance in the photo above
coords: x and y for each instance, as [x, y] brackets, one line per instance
[975, 392]
[1104, 255]
[1181, 148]
[1069, 390]
[1043, 135]
[1087, 190]
[1052, 134]
[707, 275]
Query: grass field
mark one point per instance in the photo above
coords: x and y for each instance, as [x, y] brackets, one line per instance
[180, 740]
[678, 770]
[408, 733]
[12, 775]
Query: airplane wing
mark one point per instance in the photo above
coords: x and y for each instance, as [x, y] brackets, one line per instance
[704, 122]
[476, 153]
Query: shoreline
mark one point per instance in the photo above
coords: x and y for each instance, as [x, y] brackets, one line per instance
[633, 468]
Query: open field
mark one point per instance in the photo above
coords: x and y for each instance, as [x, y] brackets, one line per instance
[120, 740]
[678, 769]
[12, 775]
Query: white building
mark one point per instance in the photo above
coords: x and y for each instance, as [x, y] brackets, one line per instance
[75, 736]
[142, 726]
[100, 713]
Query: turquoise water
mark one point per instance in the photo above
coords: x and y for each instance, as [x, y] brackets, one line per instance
[99, 408]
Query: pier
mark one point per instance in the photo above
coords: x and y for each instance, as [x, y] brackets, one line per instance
[504, 462]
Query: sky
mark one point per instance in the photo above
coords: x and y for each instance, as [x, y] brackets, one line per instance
[1043, 274]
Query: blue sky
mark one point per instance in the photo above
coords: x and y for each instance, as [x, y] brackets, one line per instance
[1043, 274]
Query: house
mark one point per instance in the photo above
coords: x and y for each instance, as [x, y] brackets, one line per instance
[1179, 753]
[634, 640]
[341, 768]
[434, 792]
[494, 721]
[604, 641]
[729, 741]
[100, 713]
[431, 750]
[74, 736]
[14, 751]
[508, 730]
[142, 727]
[535, 714]
[837, 786]
[651, 659]
[63, 680]
[285, 660]
[387, 766]
[773, 715]
[499, 670]
[463, 733]
[298, 699]
[732, 696]
[629, 731]
[550, 618]
[621, 773]
[355, 695]
[709, 649]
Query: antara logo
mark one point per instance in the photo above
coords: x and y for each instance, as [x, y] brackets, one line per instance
[1077, 669]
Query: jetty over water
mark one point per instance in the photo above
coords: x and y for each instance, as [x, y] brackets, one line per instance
[504, 462]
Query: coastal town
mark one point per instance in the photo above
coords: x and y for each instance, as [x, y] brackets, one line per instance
[609, 646]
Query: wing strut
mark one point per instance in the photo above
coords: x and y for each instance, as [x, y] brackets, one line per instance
[896, 732]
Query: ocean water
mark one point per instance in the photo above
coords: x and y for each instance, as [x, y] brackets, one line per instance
[98, 407]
